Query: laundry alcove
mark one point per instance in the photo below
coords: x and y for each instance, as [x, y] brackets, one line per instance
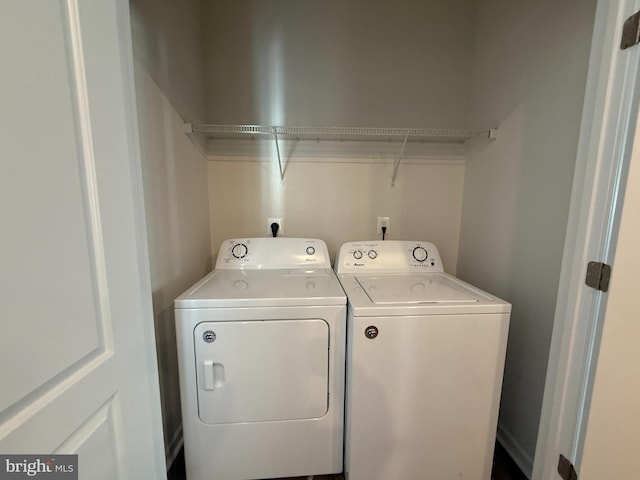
[496, 209]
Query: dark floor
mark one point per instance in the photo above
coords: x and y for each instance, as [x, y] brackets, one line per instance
[504, 468]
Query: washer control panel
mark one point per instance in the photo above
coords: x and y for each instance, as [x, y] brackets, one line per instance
[272, 253]
[390, 256]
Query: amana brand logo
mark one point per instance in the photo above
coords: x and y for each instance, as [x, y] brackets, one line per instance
[52, 467]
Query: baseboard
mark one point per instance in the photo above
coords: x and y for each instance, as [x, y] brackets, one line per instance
[515, 451]
[173, 448]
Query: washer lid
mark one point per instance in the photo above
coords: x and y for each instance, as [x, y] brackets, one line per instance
[416, 289]
[264, 288]
[398, 294]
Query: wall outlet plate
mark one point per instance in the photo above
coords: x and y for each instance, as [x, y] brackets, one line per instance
[274, 220]
[383, 222]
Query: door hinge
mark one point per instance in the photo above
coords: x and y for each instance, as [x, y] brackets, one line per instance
[598, 275]
[566, 470]
[631, 31]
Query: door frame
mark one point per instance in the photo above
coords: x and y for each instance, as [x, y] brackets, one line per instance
[604, 149]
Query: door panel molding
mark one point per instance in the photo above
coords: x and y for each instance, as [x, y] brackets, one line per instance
[87, 165]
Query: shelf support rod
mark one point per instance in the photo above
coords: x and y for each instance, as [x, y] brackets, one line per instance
[397, 164]
[275, 138]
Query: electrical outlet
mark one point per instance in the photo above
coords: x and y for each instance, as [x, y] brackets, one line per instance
[270, 221]
[383, 222]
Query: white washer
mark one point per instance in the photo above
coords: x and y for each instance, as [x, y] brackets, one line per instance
[261, 350]
[425, 358]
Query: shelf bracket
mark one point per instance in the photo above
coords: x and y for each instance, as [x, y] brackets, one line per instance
[397, 164]
[275, 138]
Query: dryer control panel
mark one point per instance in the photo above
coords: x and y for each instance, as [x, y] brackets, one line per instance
[389, 256]
[271, 253]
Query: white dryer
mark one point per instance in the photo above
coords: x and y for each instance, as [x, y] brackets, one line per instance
[261, 350]
[425, 358]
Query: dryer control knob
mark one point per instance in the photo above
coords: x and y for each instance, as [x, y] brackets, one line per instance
[357, 254]
[372, 254]
[420, 254]
[239, 250]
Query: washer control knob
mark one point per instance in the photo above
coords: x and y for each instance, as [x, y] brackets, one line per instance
[371, 332]
[239, 250]
[357, 254]
[372, 254]
[420, 254]
[310, 250]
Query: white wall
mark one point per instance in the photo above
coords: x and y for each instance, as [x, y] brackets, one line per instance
[376, 63]
[529, 73]
[613, 436]
[174, 176]
[338, 202]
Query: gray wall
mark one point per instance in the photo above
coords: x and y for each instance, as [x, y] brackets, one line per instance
[169, 87]
[374, 63]
[168, 38]
[355, 63]
[529, 73]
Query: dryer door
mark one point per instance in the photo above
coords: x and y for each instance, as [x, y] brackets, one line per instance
[257, 371]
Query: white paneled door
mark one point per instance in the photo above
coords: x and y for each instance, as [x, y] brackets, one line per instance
[77, 349]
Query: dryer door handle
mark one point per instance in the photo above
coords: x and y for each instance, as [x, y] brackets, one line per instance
[214, 375]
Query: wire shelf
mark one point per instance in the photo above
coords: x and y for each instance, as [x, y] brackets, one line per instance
[404, 135]
[369, 133]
